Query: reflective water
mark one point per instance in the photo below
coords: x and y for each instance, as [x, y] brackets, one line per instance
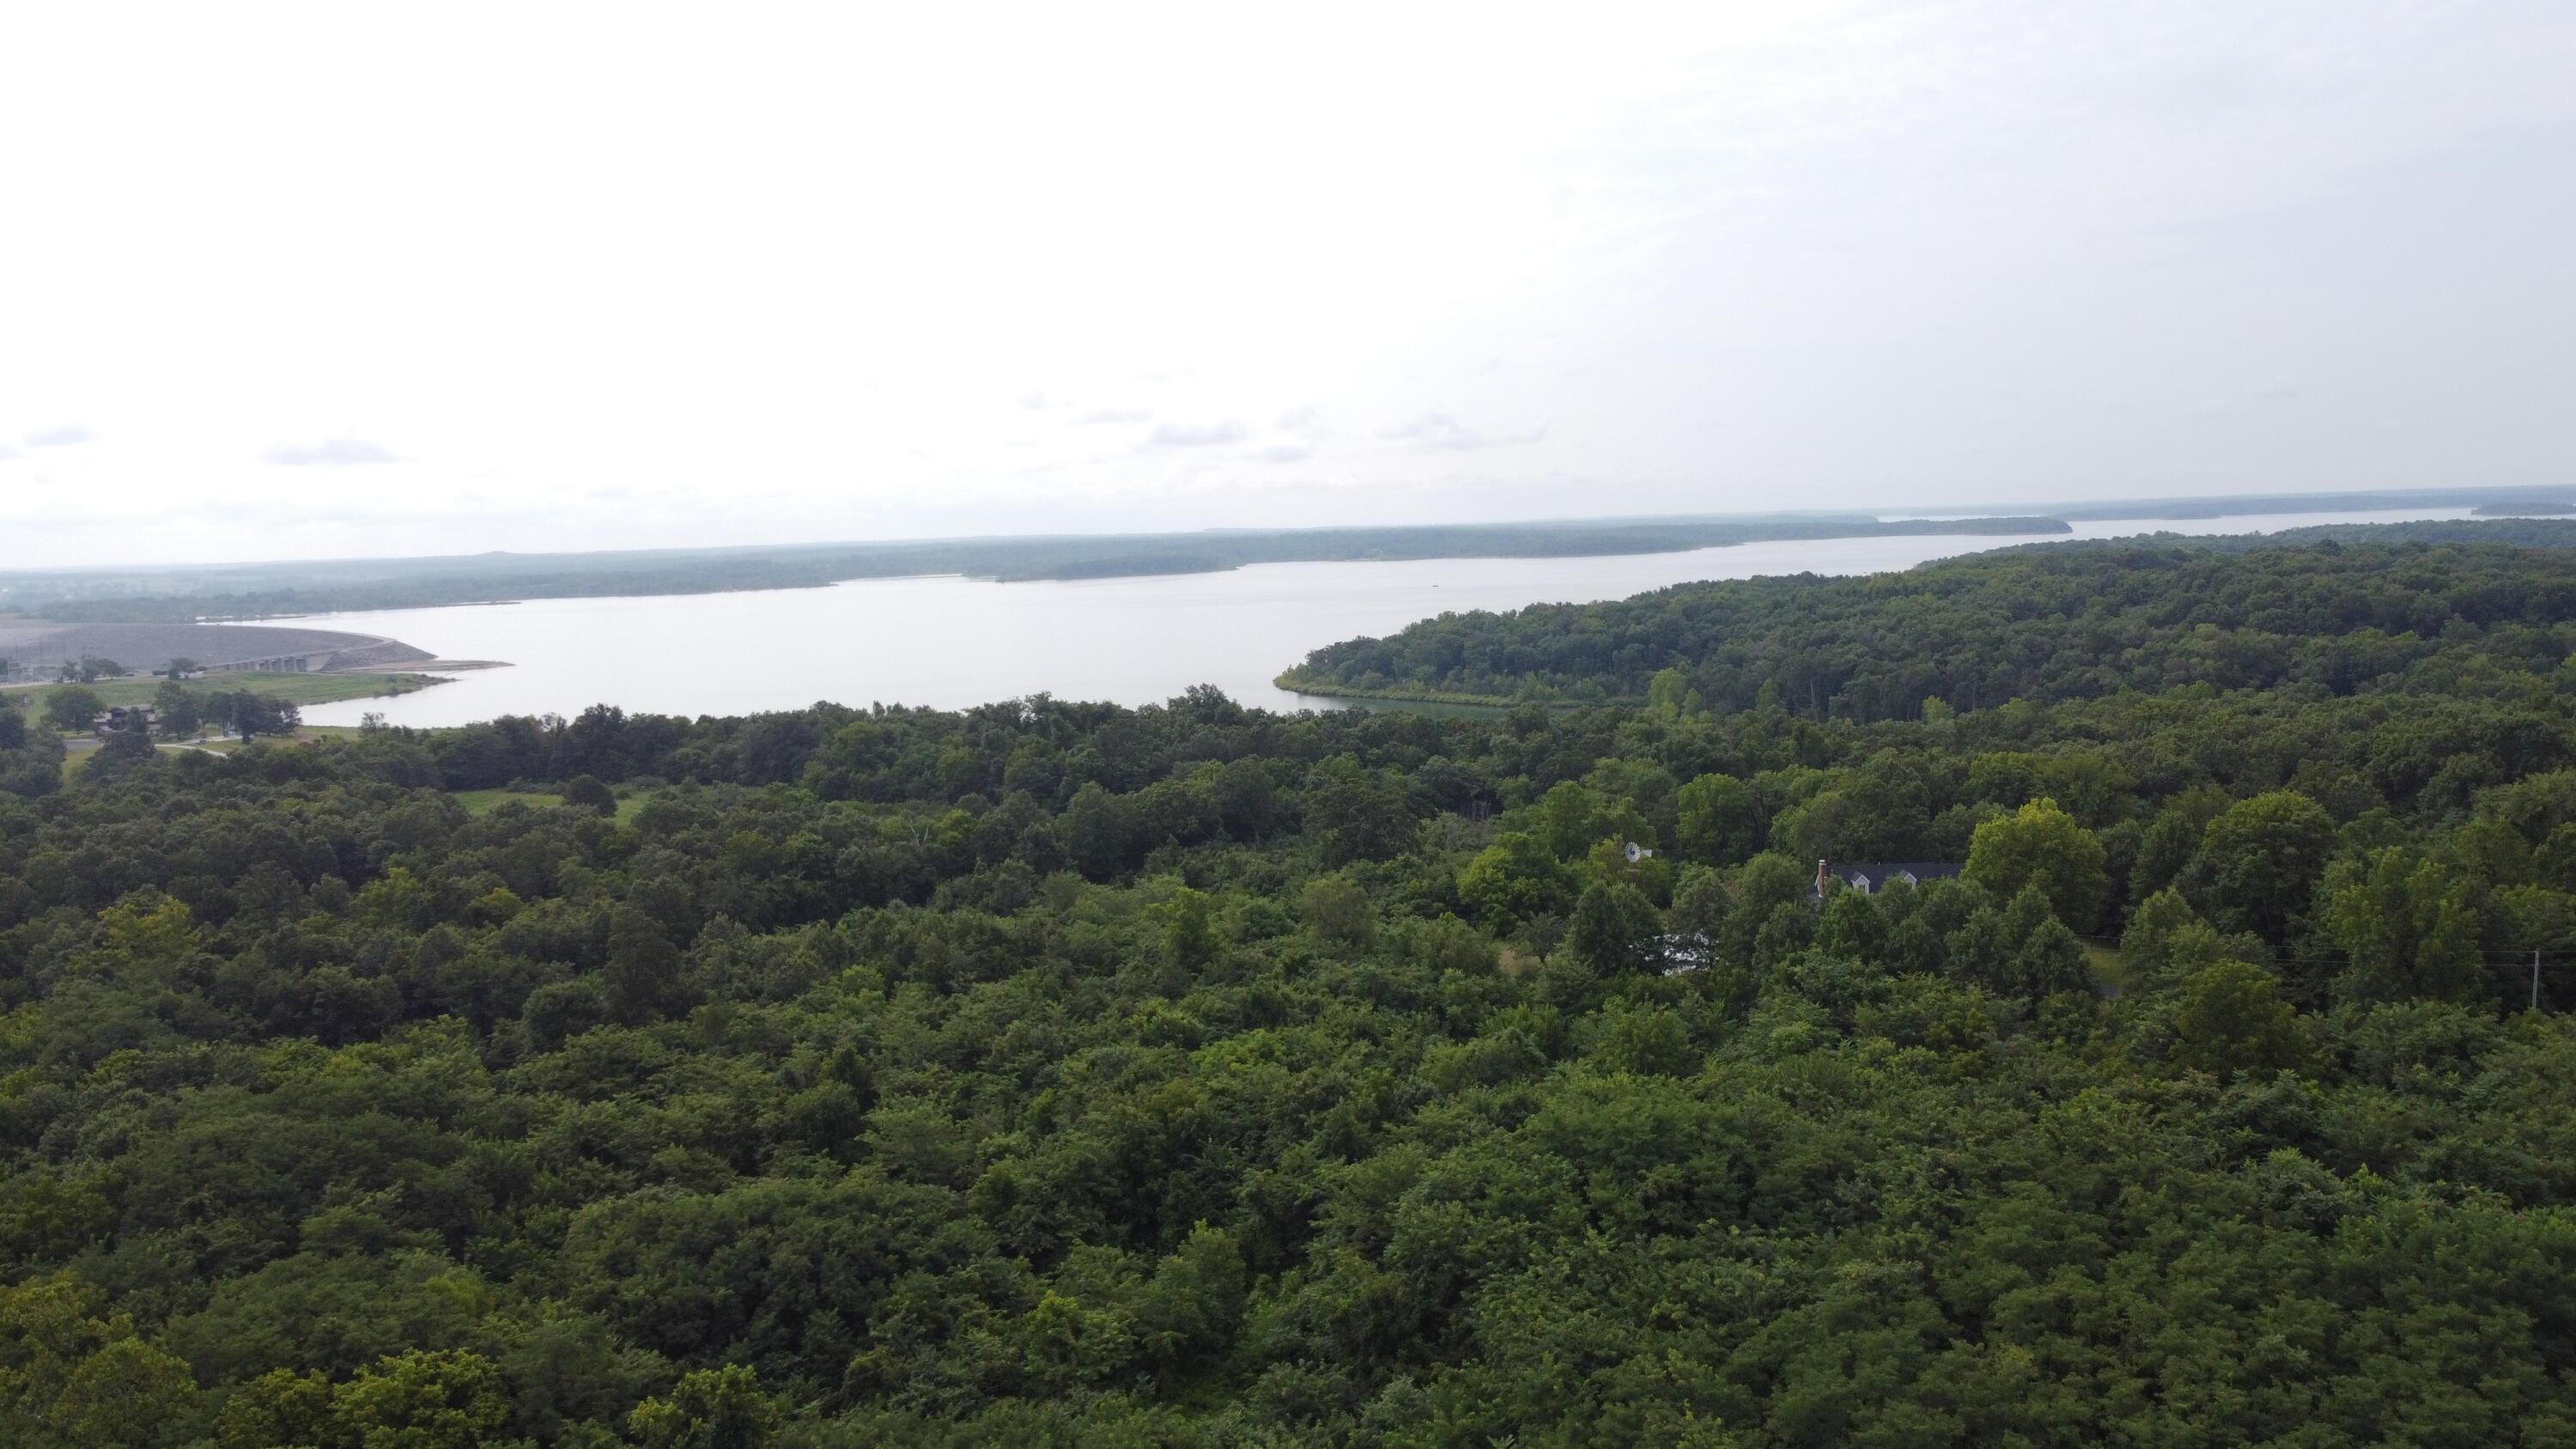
[951, 642]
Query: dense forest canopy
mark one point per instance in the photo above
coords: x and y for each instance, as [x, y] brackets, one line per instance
[1059, 1073]
[2042, 623]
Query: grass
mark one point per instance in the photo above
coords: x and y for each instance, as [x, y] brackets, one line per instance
[484, 802]
[75, 760]
[2108, 967]
[295, 689]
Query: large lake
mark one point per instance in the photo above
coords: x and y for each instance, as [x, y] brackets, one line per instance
[951, 642]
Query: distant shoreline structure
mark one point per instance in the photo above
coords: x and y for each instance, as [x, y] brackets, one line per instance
[39, 649]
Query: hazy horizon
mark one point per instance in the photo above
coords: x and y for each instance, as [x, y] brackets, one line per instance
[309, 283]
[2259, 512]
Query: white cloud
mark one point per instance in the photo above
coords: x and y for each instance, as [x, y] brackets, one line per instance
[62, 437]
[1200, 435]
[1303, 422]
[328, 452]
[1443, 433]
[1724, 252]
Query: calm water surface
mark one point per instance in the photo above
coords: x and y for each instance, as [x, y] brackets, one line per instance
[951, 642]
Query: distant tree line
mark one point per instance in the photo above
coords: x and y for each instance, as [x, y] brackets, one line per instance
[178, 711]
[2042, 626]
[398, 584]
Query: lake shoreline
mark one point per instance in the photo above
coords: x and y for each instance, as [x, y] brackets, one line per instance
[953, 642]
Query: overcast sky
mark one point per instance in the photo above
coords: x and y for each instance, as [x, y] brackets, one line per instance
[283, 281]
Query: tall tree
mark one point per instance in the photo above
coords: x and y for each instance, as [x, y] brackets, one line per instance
[2410, 928]
[2260, 862]
[2041, 846]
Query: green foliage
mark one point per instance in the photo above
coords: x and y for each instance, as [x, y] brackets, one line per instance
[2260, 863]
[589, 792]
[72, 708]
[1355, 813]
[2040, 847]
[280, 1407]
[1853, 926]
[2045, 625]
[1722, 822]
[180, 710]
[2229, 1019]
[2168, 941]
[1339, 913]
[127, 1393]
[2409, 927]
[1067, 1073]
[710, 1409]
[1189, 927]
[1613, 928]
[1651, 1040]
[450, 1399]
[71, 1373]
[1669, 695]
[2093, 787]
[1512, 880]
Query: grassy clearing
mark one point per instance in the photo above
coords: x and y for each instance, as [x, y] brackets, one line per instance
[2108, 968]
[303, 689]
[484, 802]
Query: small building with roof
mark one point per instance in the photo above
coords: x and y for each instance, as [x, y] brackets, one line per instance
[1869, 877]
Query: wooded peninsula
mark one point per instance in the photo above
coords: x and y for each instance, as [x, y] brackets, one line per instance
[1064, 1073]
